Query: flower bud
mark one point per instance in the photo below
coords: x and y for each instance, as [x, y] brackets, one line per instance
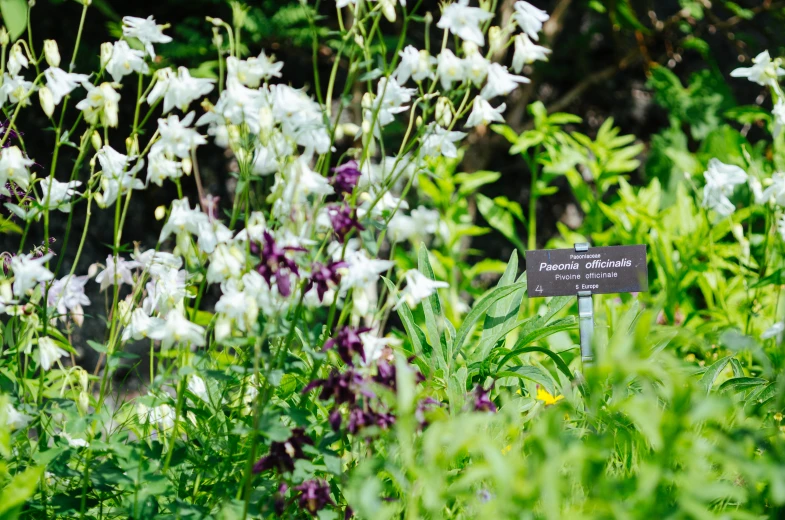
[83, 403]
[47, 100]
[366, 127]
[95, 140]
[496, 38]
[367, 102]
[266, 123]
[215, 21]
[418, 121]
[187, 165]
[4, 38]
[160, 212]
[51, 53]
[428, 18]
[443, 112]
[358, 39]
[388, 9]
[106, 53]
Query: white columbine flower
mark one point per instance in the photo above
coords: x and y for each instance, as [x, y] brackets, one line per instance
[100, 105]
[177, 329]
[116, 179]
[146, 31]
[176, 138]
[414, 64]
[426, 220]
[773, 331]
[66, 294]
[252, 71]
[13, 167]
[450, 69]
[140, 326]
[182, 219]
[57, 195]
[198, 387]
[362, 270]
[764, 71]
[160, 168]
[118, 272]
[418, 287]
[62, 83]
[501, 82]
[124, 60]
[28, 272]
[178, 90]
[483, 113]
[464, 21]
[529, 18]
[15, 419]
[48, 352]
[17, 59]
[526, 52]
[779, 116]
[475, 68]
[776, 190]
[74, 442]
[721, 180]
[16, 90]
[440, 142]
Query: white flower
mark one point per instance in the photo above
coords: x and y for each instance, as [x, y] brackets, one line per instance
[500, 82]
[401, 227]
[362, 270]
[62, 83]
[176, 138]
[237, 104]
[75, 442]
[414, 64]
[162, 415]
[773, 331]
[475, 68]
[56, 194]
[51, 53]
[418, 287]
[227, 261]
[529, 18]
[426, 220]
[17, 59]
[14, 419]
[721, 180]
[101, 104]
[776, 190]
[779, 116]
[116, 272]
[146, 31]
[140, 326]
[764, 71]
[198, 387]
[66, 294]
[157, 262]
[178, 90]
[182, 218]
[28, 272]
[250, 72]
[237, 305]
[526, 52]
[450, 69]
[160, 168]
[16, 90]
[440, 142]
[464, 21]
[177, 329]
[124, 60]
[166, 290]
[116, 179]
[373, 346]
[483, 113]
[13, 167]
[49, 352]
[301, 118]
[269, 158]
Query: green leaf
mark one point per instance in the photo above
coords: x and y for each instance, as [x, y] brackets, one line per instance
[558, 361]
[415, 334]
[499, 218]
[432, 308]
[471, 182]
[479, 310]
[14, 16]
[711, 374]
[501, 313]
[18, 491]
[531, 372]
[742, 383]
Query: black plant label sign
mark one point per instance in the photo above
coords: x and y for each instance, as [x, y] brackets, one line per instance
[599, 270]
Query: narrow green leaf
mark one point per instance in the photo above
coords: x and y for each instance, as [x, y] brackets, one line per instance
[503, 312]
[531, 372]
[14, 16]
[711, 374]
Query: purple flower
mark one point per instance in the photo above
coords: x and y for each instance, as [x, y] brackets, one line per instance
[324, 275]
[359, 419]
[275, 263]
[346, 177]
[385, 374]
[335, 419]
[283, 454]
[16, 195]
[279, 499]
[5, 128]
[342, 387]
[343, 220]
[483, 403]
[348, 342]
[423, 407]
[314, 495]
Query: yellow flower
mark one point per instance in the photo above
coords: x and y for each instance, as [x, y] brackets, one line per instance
[778, 417]
[545, 396]
[506, 449]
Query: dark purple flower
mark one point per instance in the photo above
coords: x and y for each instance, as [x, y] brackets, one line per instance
[342, 387]
[346, 177]
[385, 374]
[279, 499]
[483, 403]
[283, 454]
[344, 220]
[335, 419]
[324, 275]
[384, 420]
[5, 128]
[275, 263]
[359, 419]
[314, 495]
[348, 342]
[16, 195]
[423, 407]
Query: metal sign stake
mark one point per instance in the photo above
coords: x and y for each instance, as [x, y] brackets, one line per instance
[585, 317]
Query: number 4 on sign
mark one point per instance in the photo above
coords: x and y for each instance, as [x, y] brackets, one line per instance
[539, 288]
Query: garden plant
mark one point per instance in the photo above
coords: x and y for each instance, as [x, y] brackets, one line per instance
[330, 340]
